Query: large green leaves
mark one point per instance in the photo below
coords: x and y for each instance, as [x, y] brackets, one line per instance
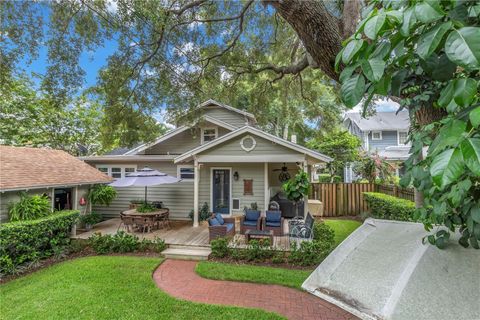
[428, 11]
[471, 154]
[374, 25]
[463, 47]
[475, 117]
[373, 69]
[351, 50]
[353, 90]
[449, 135]
[464, 92]
[430, 40]
[447, 167]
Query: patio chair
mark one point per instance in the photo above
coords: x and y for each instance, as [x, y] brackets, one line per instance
[273, 220]
[250, 221]
[219, 227]
[144, 223]
[126, 221]
[163, 219]
[302, 229]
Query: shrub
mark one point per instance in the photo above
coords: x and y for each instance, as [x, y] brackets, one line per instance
[102, 194]
[120, 242]
[383, 206]
[146, 207]
[91, 219]
[24, 242]
[29, 207]
[219, 248]
[325, 178]
[101, 244]
[203, 214]
[308, 253]
[278, 257]
[323, 233]
[258, 250]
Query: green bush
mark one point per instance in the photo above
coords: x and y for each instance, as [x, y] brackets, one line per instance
[219, 248]
[102, 194]
[383, 206]
[146, 207]
[323, 233]
[203, 214]
[91, 219]
[24, 242]
[258, 250]
[29, 207]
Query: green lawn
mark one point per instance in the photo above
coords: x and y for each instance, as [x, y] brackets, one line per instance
[105, 287]
[248, 273]
[342, 228]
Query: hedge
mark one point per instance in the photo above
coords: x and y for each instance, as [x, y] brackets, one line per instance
[23, 242]
[383, 206]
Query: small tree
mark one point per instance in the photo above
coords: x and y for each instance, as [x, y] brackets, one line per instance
[373, 167]
[341, 146]
[297, 188]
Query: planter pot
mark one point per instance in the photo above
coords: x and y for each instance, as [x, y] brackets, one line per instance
[203, 223]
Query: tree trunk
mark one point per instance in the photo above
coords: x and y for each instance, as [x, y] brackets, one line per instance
[316, 27]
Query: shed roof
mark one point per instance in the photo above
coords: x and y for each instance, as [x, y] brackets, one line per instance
[28, 168]
[381, 121]
[383, 271]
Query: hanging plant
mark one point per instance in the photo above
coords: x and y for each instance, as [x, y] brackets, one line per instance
[102, 194]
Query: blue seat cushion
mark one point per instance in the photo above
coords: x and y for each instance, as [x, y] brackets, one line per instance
[272, 224]
[252, 215]
[249, 223]
[229, 226]
[218, 216]
[213, 222]
[273, 216]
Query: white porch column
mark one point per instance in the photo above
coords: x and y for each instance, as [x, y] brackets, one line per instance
[305, 199]
[195, 192]
[265, 177]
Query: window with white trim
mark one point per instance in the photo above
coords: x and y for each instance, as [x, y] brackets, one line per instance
[376, 135]
[209, 134]
[185, 172]
[117, 171]
[402, 138]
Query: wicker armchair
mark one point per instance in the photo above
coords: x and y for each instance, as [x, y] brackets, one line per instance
[273, 220]
[225, 230]
[250, 221]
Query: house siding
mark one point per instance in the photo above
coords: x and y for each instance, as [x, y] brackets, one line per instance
[182, 142]
[234, 118]
[262, 147]
[389, 138]
[178, 197]
[254, 171]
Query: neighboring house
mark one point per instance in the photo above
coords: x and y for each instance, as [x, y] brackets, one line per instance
[62, 177]
[221, 157]
[383, 132]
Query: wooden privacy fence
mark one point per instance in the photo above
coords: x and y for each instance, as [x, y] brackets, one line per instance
[346, 199]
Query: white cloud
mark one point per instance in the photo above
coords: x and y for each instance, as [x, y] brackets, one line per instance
[112, 6]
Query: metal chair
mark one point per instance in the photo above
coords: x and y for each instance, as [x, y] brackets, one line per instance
[302, 229]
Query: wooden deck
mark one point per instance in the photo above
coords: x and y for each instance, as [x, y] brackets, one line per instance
[182, 233]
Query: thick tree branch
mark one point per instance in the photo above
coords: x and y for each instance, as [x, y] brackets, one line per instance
[186, 7]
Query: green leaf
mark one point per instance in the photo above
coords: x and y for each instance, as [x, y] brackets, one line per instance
[353, 90]
[338, 59]
[475, 213]
[447, 167]
[471, 154]
[446, 95]
[381, 51]
[373, 69]
[463, 47]
[409, 20]
[397, 81]
[428, 11]
[465, 90]
[383, 86]
[475, 117]
[429, 41]
[351, 49]
[347, 72]
[395, 16]
[449, 135]
[374, 25]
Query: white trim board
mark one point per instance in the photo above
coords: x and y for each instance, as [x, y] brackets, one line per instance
[231, 187]
[257, 132]
[280, 158]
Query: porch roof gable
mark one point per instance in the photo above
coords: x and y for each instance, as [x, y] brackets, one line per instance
[257, 132]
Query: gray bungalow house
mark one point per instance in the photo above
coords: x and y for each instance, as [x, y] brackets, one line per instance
[222, 158]
[383, 132]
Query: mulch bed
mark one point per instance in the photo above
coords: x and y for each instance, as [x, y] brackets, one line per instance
[267, 263]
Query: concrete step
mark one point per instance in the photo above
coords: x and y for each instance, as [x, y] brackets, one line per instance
[187, 253]
[188, 246]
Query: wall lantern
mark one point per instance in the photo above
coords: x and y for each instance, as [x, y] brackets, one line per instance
[236, 176]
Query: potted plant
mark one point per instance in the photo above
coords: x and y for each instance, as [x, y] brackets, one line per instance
[297, 188]
[90, 219]
[102, 194]
[203, 215]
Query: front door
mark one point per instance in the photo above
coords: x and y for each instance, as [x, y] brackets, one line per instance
[221, 191]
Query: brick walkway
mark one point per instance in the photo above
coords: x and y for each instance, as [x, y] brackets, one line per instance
[178, 278]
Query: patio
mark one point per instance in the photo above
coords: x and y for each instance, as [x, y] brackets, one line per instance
[181, 233]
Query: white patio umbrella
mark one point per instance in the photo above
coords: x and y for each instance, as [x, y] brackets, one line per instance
[144, 178]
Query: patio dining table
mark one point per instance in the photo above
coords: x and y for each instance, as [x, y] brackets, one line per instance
[159, 216]
[134, 212]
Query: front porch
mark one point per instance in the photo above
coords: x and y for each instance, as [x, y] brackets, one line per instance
[183, 234]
